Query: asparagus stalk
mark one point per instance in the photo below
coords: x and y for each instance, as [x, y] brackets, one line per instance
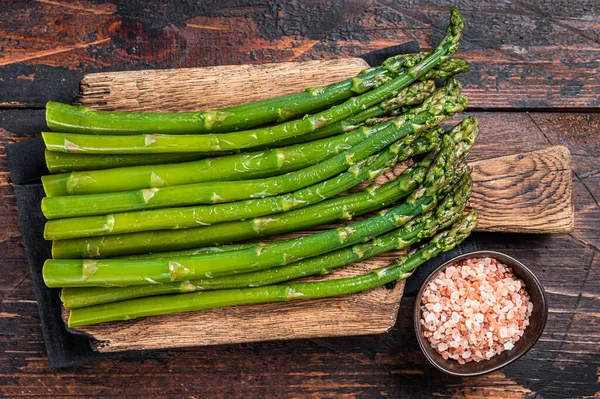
[61, 162]
[442, 104]
[160, 143]
[191, 252]
[373, 198]
[250, 165]
[421, 227]
[77, 119]
[400, 269]
[118, 272]
[187, 217]
[162, 243]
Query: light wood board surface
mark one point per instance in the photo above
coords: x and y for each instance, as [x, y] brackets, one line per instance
[193, 89]
[527, 193]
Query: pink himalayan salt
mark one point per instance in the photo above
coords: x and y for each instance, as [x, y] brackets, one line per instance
[474, 310]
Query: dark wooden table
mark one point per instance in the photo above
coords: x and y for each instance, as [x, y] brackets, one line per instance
[534, 83]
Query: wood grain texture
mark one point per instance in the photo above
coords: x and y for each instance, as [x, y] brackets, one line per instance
[524, 193]
[564, 363]
[364, 313]
[209, 87]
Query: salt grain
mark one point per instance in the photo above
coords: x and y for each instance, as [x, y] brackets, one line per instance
[474, 310]
[455, 317]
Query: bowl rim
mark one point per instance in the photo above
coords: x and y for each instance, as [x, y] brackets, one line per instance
[491, 254]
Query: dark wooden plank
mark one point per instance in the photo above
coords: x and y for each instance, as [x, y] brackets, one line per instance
[523, 54]
[564, 363]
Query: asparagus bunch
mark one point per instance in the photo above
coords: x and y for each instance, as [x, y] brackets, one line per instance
[400, 269]
[58, 162]
[121, 272]
[187, 217]
[443, 104]
[72, 272]
[373, 198]
[250, 165]
[421, 227]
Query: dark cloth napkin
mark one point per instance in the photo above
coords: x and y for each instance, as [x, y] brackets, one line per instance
[26, 163]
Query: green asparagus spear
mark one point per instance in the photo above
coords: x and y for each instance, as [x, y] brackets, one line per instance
[77, 119]
[401, 269]
[116, 272]
[442, 104]
[186, 217]
[421, 227]
[160, 143]
[61, 162]
[250, 165]
[373, 198]
[191, 252]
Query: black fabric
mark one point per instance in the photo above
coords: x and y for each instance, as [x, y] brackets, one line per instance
[27, 164]
[64, 349]
[26, 161]
[378, 56]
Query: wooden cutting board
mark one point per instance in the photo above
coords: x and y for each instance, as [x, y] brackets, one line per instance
[524, 193]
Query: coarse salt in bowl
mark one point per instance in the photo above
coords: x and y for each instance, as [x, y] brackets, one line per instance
[479, 312]
[475, 309]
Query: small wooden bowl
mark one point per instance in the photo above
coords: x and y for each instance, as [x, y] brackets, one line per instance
[532, 333]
